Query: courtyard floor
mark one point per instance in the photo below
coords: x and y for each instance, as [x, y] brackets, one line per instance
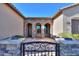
[39, 39]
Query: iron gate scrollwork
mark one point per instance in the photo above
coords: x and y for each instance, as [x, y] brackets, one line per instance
[39, 49]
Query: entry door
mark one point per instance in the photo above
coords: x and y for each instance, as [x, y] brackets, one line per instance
[75, 26]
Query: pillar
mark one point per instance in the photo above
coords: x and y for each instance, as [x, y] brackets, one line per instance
[25, 29]
[33, 30]
[42, 30]
[51, 29]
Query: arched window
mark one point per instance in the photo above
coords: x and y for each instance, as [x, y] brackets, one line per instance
[38, 27]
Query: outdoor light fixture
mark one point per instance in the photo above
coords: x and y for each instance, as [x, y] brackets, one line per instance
[68, 23]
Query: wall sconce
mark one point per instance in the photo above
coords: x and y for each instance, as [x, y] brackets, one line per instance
[68, 23]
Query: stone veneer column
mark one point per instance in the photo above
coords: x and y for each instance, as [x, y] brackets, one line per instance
[33, 30]
[42, 30]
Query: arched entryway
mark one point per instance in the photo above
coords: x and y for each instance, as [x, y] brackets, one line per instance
[29, 25]
[38, 30]
[38, 27]
[47, 30]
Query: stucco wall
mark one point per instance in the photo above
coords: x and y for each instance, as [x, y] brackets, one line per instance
[66, 24]
[10, 22]
[69, 14]
[63, 22]
[58, 25]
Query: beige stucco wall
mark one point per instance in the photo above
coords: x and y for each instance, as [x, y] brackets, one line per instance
[58, 25]
[63, 22]
[69, 14]
[10, 22]
[66, 24]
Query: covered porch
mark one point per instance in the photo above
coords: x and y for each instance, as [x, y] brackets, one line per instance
[38, 30]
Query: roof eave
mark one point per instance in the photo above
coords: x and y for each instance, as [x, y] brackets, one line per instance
[61, 10]
[15, 9]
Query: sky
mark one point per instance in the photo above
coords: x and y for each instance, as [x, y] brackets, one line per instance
[39, 9]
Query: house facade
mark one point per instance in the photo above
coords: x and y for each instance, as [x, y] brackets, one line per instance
[12, 22]
[66, 20]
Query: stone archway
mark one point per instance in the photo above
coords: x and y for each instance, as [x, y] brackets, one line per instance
[47, 30]
[38, 30]
[29, 25]
[38, 27]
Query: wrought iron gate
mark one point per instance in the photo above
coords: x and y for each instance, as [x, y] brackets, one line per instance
[40, 49]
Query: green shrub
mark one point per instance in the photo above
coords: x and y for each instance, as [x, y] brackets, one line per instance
[68, 35]
[76, 36]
